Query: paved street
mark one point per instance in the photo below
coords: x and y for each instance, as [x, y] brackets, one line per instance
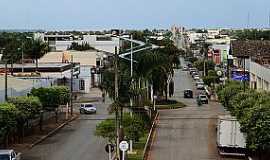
[188, 133]
[76, 141]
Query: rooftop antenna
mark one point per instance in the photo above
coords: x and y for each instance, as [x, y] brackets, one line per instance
[269, 20]
[248, 20]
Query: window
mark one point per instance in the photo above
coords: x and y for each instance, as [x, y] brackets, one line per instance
[4, 157]
[82, 85]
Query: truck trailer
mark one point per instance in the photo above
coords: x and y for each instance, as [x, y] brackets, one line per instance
[230, 140]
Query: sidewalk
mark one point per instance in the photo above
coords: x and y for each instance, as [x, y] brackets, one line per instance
[36, 136]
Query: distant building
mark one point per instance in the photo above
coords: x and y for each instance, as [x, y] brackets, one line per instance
[220, 53]
[179, 37]
[87, 61]
[58, 42]
[212, 33]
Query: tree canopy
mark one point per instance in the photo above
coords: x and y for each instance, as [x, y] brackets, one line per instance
[52, 97]
[252, 109]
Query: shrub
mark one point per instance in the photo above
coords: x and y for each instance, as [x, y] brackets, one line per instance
[8, 115]
[52, 97]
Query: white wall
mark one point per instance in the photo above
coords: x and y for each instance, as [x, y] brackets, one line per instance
[107, 46]
[261, 75]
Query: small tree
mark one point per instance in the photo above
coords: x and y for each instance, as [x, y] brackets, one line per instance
[28, 108]
[106, 129]
[134, 127]
[36, 49]
[8, 123]
[52, 97]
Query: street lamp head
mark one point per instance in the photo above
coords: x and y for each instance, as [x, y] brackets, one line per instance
[155, 97]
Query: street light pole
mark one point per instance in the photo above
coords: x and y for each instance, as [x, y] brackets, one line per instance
[116, 100]
[71, 87]
[155, 97]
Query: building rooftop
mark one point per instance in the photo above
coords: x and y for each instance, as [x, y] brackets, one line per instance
[251, 48]
[42, 67]
[85, 58]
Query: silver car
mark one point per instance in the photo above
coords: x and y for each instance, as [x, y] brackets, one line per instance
[88, 108]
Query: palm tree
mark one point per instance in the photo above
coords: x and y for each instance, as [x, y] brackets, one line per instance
[35, 49]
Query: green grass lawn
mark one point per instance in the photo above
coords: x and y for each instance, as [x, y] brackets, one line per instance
[138, 148]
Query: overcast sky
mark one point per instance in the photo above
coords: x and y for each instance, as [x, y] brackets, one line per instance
[131, 14]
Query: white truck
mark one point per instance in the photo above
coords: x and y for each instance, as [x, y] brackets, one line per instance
[9, 155]
[230, 140]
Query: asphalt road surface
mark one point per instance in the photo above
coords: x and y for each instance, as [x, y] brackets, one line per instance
[75, 141]
[188, 133]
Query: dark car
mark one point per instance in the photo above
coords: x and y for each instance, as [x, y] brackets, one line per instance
[188, 93]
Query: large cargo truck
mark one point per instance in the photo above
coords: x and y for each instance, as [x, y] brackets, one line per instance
[230, 140]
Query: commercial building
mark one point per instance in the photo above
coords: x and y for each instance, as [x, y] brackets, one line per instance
[87, 60]
[255, 55]
[220, 53]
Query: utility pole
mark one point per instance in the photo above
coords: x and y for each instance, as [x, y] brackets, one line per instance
[244, 74]
[6, 72]
[131, 73]
[71, 87]
[6, 96]
[22, 58]
[116, 100]
[228, 68]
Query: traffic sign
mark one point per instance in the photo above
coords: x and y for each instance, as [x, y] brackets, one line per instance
[123, 146]
[109, 148]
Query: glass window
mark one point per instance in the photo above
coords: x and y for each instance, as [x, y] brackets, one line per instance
[88, 105]
[82, 85]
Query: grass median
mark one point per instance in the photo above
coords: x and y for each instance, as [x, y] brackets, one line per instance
[170, 106]
[138, 148]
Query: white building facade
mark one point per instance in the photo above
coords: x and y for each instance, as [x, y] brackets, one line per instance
[259, 76]
[105, 43]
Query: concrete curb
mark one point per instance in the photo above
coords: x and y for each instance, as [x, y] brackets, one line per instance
[149, 141]
[52, 132]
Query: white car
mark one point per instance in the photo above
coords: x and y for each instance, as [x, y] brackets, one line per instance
[196, 77]
[9, 155]
[88, 108]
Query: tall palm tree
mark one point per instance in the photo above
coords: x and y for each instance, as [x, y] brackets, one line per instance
[35, 49]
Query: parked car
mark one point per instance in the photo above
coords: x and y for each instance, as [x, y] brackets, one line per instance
[188, 93]
[185, 68]
[200, 86]
[191, 70]
[196, 77]
[202, 98]
[88, 108]
[199, 82]
[9, 155]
